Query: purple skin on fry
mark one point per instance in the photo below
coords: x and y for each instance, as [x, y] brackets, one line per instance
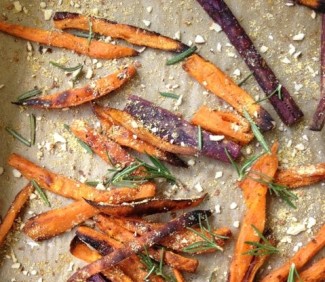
[97, 278]
[172, 128]
[286, 107]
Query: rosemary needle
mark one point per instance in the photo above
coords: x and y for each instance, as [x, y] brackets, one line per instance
[169, 95]
[82, 34]
[29, 94]
[40, 192]
[245, 79]
[32, 121]
[20, 138]
[276, 91]
[180, 57]
[67, 69]
[81, 143]
[293, 274]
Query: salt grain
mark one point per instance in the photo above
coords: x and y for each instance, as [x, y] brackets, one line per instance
[146, 23]
[199, 39]
[218, 174]
[298, 37]
[264, 49]
[16, 173]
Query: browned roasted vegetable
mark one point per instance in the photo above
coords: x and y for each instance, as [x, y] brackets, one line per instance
[69, 188]
[126, 138]
[214, 80]
[318, 5]
[296, 177]
[314, 273]
[178, 275]
[301, 257]
[13, 211]
[78, 96]
[146, 207]
[132, 34]
[138, 245]
[94, 49]
[107, 149]
[255, 199]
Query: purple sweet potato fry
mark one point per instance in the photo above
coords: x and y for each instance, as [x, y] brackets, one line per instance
[175, 130]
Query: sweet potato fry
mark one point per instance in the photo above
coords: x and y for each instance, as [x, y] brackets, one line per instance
[132, 34]
[214, 80]
[146, 207]
[287, 109]
[107, 149]
[177, 242]
[314, 273]
[223, 123]
[78, 96]
[170, 127]
[299, 259]
[54, 222]
[105, 245]
[178, 275]
[138, 245]
[131, 124]
[255, 265]
[94, 49]
[255, 200]
[317, 5]
[69, 188]
[83, 252]
[13, 211]
[296, 177]
[126, 138]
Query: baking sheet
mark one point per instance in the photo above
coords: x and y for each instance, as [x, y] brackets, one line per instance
[269, 23]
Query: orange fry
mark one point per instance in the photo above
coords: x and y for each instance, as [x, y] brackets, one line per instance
[178, 275]
[314, 273]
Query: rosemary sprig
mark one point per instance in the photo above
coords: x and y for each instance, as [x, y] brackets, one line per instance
[90, 35]
[29, 94]
[17, 136]
[257, 133]
[32, 122]
[245, 79]
[180, 57]
[209, 239]
[81, 143]
[199, 138]
[169, 95]
[276, 91]
[243, 170]
[125, 177]
[40, 192]
[154, 267]
[67, 69]
[293, 274]
[260, 249]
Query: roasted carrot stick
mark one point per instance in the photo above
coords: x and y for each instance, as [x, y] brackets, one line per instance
[132, 34]
[107, 149]
[304, 254]
[318, 5]
[78, 96]
[296, 177]
[318, 120]
[314, 273]
[131, 124]
[138, 245]
[178, 275]
[126, 138]
[94, 49]
[83, 252]
[213, 79]
[223, 123]
[255, 200]
[255, 265]
[13, 211]
[284, 104]
[69, 188]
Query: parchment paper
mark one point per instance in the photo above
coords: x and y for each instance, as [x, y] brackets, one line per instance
[269, 23]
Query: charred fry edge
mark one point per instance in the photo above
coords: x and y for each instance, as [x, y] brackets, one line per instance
[317, 5]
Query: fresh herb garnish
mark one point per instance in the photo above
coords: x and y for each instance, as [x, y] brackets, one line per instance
[245, 79]
[32, 122]
[92, 183]
[125, 176]
[81, 143]
[40, 192]
[257, 133]
[277, 91]
[208, 236]
[90, 35]
[82, 34]
[180, 57]
[20, 138]
[260, 249]
[293, 274]
[169, 95]
[243, 170]
[67, 69]
[29, 94]
[199, 138]
[153, 266]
